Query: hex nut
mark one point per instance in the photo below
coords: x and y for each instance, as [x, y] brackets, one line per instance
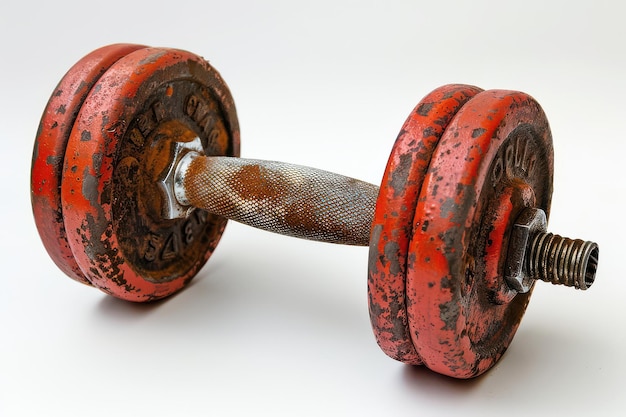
[170, 184]
[530, 222]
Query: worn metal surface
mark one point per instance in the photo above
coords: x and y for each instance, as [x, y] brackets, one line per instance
[448, 284]
[289, 199]
[494, 159]
[49, 151]
[528, 224]
[175, 206]
[535, 254]
[562, 261]
[392, 228]
[122, 141]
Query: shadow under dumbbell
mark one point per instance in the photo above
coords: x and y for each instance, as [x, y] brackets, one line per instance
[116, 308]
[420, 378]
[519, 363]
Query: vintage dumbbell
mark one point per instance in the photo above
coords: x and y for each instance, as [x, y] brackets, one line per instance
[134, 174]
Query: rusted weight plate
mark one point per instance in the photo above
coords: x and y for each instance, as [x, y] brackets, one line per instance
[118, 152]
[49, 151]
[393, 219]
[494, 159]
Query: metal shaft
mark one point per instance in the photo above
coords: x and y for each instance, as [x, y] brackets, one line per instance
[563, 261]
[284, 198]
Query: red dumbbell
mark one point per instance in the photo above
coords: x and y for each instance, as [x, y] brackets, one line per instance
[136, 169]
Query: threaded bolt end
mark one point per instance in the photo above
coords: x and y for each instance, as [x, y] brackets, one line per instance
[562, 261]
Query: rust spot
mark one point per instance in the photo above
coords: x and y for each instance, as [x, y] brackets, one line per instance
[424, 109]
[392, 255]
[477, 132]
[109, 200]
[400, 175]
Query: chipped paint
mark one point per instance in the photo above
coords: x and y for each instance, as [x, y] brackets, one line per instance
[111, 204]
[49, 152]
[461, 315]
[392, 228]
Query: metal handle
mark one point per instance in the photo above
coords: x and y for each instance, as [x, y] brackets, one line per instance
[283, 198]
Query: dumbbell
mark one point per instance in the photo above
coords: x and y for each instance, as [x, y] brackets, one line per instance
[136, 169]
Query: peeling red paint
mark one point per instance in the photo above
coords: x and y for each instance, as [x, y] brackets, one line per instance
[494, 158]
[49, 151]
[392, 227]
[464, 165]
[118, 148]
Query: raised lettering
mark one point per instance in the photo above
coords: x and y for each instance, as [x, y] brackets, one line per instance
[520, 153]
[192, 104]
[201, 113]
[201, 216]
[514, 159]
[159, 111]
[153, 245]
[137, 138]
[189, 228]
[215, 133]
[145, 124]
[509, 159]
[171, 247]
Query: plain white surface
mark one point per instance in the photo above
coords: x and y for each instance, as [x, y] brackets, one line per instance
[277, 326]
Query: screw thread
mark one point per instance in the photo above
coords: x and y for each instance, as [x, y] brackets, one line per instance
[563, 261]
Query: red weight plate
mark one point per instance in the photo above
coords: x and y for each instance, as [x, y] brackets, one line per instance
[494, 159]
[392, 227]
[118, 152]
[49, 151]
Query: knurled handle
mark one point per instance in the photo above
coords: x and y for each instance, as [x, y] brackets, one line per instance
[283, 198]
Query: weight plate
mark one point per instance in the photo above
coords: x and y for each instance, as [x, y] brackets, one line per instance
[393, 219]
[494, 159]
[49, 150]
[118, 151]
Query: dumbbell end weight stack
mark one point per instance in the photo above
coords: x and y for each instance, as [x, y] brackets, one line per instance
[95, 175]
[133, 178]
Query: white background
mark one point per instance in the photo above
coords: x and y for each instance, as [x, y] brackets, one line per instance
[278, 326]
